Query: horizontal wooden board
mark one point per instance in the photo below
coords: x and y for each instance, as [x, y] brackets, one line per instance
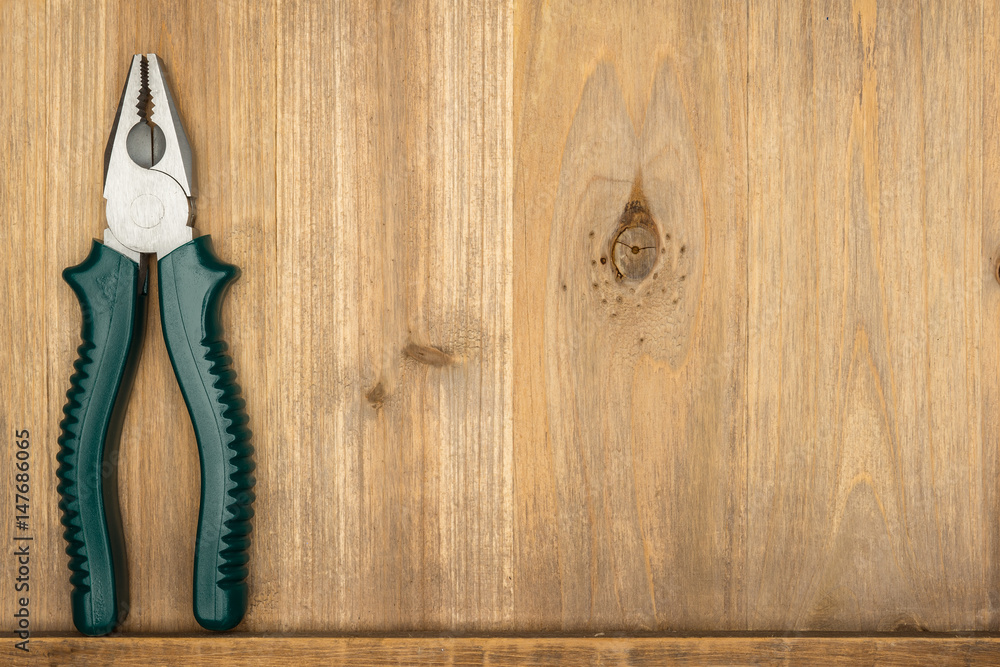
[539, 652]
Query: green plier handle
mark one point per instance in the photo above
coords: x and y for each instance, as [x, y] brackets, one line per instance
[192, 285]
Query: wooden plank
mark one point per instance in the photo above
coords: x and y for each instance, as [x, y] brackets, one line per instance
[390, 461]
[799, 434]
[370, 328]
[989, 348]
[251, 650]
[629, 410]
[868, 507]
[24, 404]
[220, 61]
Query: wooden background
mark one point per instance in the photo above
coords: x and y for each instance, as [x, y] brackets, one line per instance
[464, 421]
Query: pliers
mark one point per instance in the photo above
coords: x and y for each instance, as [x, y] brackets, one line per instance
[148, 185]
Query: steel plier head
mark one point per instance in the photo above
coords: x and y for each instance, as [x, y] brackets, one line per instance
[148, 174]
[148, 185]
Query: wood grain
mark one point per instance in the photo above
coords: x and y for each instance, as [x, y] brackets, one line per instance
[866, 464]
[534, 651]
[630, 410]
[362, 189]
[781, 416]
[24, 401]
[989, 269]
[392, 456]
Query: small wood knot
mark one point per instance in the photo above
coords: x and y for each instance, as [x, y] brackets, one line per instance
[426, 354]
[376, 395]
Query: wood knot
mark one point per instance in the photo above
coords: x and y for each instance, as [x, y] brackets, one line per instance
[376, 395]
[636, 244]
[634, 253]
[427, 354]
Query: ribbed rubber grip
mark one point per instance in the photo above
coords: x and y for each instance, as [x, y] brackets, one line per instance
[193, 283]
[113, 305]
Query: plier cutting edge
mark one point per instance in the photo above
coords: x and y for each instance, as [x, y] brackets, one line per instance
[148, 185]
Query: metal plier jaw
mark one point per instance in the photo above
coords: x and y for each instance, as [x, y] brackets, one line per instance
[148, 175]
[148, 188]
